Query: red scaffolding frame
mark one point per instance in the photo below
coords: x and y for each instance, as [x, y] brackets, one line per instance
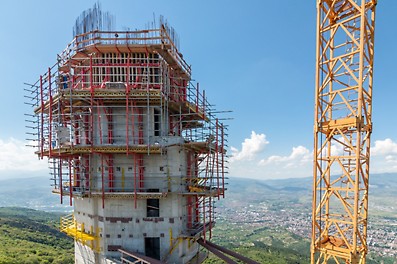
[96, 122]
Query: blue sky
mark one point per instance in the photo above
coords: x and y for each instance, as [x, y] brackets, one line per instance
[256, 58]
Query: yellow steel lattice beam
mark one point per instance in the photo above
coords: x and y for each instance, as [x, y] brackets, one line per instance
[343, 125]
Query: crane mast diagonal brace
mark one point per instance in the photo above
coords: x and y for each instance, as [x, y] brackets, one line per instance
[342, 130]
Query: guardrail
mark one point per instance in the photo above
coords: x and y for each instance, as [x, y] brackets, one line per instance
[129, 38]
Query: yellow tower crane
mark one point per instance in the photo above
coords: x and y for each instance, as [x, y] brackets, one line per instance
[342, 130]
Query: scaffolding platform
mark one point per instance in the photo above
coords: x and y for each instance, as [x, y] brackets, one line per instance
[113, 195]
[72, 228]
[65, 150]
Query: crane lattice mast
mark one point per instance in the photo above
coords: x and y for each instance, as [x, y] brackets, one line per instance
[342, 130]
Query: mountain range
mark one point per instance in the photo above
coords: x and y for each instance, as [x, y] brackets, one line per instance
[36, 192]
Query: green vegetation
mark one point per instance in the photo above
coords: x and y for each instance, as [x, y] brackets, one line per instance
[30, 236]
[262, 244]
[270, 245]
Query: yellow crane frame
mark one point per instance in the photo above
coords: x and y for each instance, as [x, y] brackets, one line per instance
[342, 130]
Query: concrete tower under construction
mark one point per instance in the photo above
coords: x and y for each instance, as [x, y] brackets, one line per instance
[132, 144]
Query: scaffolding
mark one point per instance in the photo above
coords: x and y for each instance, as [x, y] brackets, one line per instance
[113, 99]
[71, 227]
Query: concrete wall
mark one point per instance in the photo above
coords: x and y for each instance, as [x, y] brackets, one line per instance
[119, 123]
[123, 225]
[163, 172]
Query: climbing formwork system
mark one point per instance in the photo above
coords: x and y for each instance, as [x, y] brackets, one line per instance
[123, 125]
[343, 125]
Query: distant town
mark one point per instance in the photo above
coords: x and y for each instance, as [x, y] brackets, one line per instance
[382, 232]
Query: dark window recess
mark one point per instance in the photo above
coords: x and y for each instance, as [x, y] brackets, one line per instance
[152, 247]
[153, 207]
[157, 126]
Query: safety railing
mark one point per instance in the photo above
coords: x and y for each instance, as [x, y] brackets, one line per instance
[127, 38]
[71, 227]
[115, 180]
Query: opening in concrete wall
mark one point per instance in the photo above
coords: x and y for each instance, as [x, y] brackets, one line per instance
[152, 247]
[153, 208]
[157, 127]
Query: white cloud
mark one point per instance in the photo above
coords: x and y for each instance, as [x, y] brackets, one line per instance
[16, 159]
[391, 158]
[250, 148]
[336, 150]
[384, 147]
[384, 156]
[298, 157]
[255, 161]
[249, 162]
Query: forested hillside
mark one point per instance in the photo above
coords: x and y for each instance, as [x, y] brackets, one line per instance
[30, 236]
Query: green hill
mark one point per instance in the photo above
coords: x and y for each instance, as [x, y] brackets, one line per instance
[30, 236]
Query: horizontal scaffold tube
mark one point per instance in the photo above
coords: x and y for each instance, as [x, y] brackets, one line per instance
[216, 252]
[140, 257]
[209, 244]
